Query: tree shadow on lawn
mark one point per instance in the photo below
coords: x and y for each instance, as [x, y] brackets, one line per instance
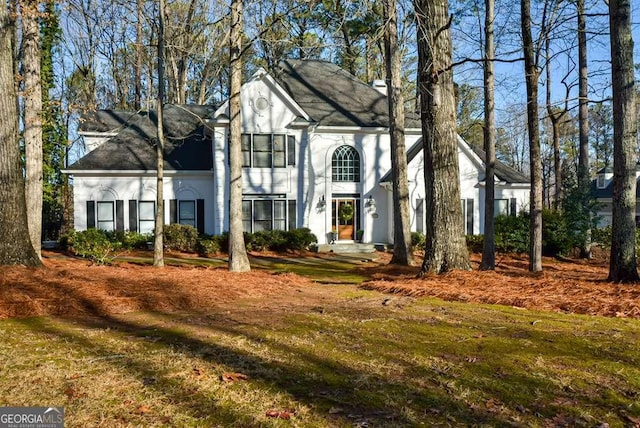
[332, 390]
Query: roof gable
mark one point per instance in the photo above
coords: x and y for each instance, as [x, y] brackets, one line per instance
[266, 106]
[333, 97]
[503, 172]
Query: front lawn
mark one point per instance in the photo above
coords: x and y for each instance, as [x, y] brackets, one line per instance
[195, 345]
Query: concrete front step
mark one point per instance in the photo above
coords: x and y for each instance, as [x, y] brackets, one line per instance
[345, 248]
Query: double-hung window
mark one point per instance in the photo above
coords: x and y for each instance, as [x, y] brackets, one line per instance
[501, 207]
[187, 213]
[268, 214]
[147, 216]
[267, 150]
[106, 216]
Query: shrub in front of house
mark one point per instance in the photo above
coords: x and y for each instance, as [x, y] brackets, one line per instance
[602, 237]
[557, 238]
[280, 240]
[300, 239]
[208, 246]
[512, 233]
[475, 243]
[92, 244]
[180, 237]
[136, 241]
[130, 240]
[417, 241]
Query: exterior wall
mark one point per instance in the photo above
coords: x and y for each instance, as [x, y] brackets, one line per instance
[264, 111]
[268, 110]
[471, 188]
[309, 182]
[109, 187]
[375, 161]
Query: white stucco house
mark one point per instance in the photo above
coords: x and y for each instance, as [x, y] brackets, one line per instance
[316, 154]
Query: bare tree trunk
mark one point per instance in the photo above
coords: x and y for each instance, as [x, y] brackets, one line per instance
[555, 116]
[138, 77]
[15, 243]
[158, 250]
[238, 259]
[532, 75]
[32, 97]
[489, 247]
[445, 248]
[402, 250]
[623, 264]
[583, 123]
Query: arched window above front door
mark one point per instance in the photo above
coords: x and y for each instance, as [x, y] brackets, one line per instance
[345, 164]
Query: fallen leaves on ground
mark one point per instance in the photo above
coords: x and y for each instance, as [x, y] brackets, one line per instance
[71, 287]
[571, 286]
[233, 377]
[280, 414]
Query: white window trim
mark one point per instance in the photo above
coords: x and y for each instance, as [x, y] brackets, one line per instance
[113, 215]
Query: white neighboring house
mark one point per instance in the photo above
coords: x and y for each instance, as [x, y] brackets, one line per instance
[602, 191]
[316, 154]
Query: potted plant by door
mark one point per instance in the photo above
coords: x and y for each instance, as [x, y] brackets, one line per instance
[359, 235]
[334, 235]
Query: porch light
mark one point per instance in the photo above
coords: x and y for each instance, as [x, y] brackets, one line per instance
[370, 202]
[321, 202]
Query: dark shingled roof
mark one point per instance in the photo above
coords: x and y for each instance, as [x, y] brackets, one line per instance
[133, 148]
[607, 192]
[333, 97]
[503, 172]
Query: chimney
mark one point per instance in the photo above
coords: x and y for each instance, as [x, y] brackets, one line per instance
[380, 86]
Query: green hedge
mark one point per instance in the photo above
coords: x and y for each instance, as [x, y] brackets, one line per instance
[512, 235]
[180, 237]
[280, 240]
[92, 244]
[101, 246]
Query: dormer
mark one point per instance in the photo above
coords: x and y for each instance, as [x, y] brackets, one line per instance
[603, 177]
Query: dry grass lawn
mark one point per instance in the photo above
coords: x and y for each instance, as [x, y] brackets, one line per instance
[130, 345]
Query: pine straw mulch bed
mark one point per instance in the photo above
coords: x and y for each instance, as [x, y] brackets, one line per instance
[570, 286]
[71, 287]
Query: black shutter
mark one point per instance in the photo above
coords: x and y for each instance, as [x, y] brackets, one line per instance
[200, 215]
[514, 206]
[91, 214]
[120, 216]
[291, 150]
[292, 213]
[420, 215]
[173, 211]
[133, 215]
[469, 217]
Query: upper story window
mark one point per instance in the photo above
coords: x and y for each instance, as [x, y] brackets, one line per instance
[602, 182]
[268, 150]
[345, 164]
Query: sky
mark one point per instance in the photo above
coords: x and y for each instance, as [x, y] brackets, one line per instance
[510, 83]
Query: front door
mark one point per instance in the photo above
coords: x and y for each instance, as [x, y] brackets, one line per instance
[344, 215]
